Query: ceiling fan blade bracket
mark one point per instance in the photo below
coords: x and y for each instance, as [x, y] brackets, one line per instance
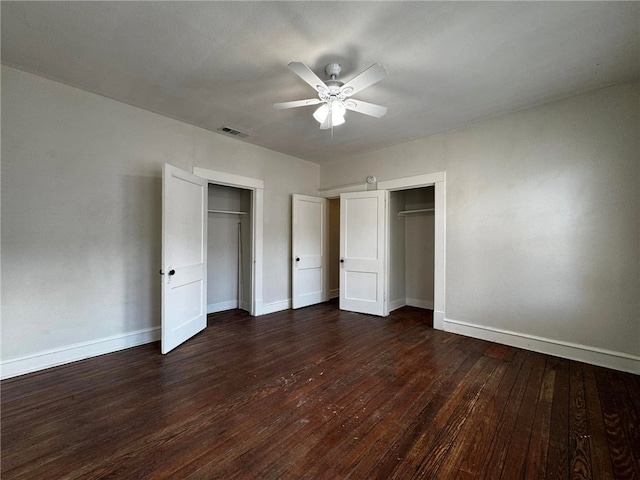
[346, 91]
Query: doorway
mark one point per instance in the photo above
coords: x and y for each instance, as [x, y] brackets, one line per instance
[334, 247]
[438, 181]
[252, 279]
[411, 245]
[229, 252]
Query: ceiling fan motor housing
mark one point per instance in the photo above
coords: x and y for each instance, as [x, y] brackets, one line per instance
[333, 70]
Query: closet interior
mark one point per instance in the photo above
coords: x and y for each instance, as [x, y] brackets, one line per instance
[411, 248]
[334, 247]
[229, 248]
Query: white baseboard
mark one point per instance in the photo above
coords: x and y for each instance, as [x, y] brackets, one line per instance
[416, 302]
[558, 348]
[335, 293]
[77, 351]
[267, 308]
[396, 304]
[222, 306]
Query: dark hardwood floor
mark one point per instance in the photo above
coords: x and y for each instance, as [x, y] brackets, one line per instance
[319, 393]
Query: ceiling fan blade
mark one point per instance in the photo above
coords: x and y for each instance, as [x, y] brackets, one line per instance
[296, 103]
[306, 74]
[371, 75]
[365, 107]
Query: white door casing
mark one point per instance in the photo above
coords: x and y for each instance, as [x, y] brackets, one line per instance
[184, 256]
[363, 223]
[310, 237]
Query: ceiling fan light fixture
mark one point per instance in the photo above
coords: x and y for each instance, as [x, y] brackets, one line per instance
[321, 113]
[333, 93]
[335, 109]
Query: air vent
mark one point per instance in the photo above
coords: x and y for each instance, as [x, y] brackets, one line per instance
[232, 131]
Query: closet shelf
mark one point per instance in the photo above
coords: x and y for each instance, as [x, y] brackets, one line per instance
[227, 212]
[404, 213]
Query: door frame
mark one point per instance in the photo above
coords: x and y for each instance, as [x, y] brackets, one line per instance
[256, 186]
[437, 180]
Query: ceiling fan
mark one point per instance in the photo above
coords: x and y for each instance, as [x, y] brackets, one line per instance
[334, 95]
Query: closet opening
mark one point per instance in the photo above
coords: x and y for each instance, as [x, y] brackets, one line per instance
[229, 248]
[334, 247]
[411, 248]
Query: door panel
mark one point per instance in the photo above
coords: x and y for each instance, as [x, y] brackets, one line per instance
[362, 252]
[184, 256]
[309, 231]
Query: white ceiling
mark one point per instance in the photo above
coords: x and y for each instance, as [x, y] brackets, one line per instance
[224, 63]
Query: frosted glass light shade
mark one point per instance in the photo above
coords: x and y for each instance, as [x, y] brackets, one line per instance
[337, 113]
[337, 110]
[321, 113]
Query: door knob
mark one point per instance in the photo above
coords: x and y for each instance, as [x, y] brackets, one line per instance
[172, 272]
[342, 260]
[297, 259]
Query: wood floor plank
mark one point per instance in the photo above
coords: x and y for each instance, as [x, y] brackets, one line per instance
[600, 456]
[460, 443]
[472, 459]
[580, 450]
[558, 451]
[321, 393]
[380, 446]
[384, 412]
[620, 445]
[398, 454]
[629, 413]
[494, 464]
[535, 466]
[522, 431]
[445, 422]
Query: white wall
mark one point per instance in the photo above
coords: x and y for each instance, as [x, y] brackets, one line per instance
[542, 220]
[81, 214]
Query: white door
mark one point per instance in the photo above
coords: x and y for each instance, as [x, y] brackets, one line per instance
[363, 252]
[310, 236]
[184, 256]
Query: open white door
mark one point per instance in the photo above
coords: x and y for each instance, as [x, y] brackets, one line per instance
[310, 236]
[184, 256]
[363, 252]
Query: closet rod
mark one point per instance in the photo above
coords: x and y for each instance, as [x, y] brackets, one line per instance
[404, 213]
[226, 211]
